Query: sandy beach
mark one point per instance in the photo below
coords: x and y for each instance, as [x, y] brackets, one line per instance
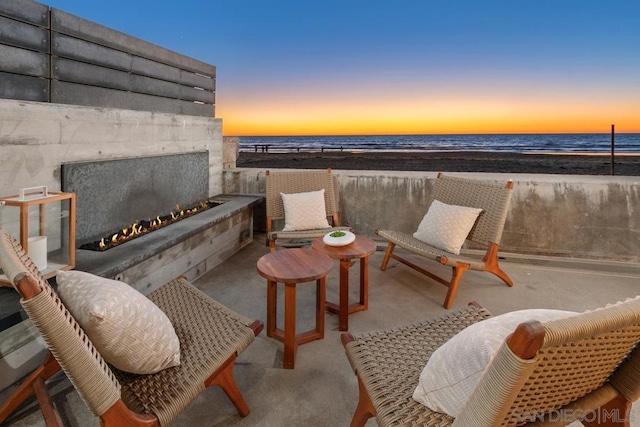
[467, 161]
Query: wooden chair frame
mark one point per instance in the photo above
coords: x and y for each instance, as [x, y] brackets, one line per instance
[117, 414]
[606, 405]
[299, 182]
[487, 232]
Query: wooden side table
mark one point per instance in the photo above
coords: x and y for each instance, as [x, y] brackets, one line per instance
[361, 248]
[293, 266]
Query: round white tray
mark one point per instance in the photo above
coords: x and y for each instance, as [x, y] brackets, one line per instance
[348, 238]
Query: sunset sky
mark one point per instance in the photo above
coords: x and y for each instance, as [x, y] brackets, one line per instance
[406, 67]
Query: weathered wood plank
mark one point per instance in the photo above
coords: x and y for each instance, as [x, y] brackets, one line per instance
[22, 61]
[66, 23]
[20, 34]
[69, 70]
[225, 252]
[25, 88]
[77, 94]
[192, 94]
[87, 52]
[147, 67]
[72, 71]
[219, 242]
[151, 86]
[26, 10]
[73, 48]
[191, 79]
[138, 75]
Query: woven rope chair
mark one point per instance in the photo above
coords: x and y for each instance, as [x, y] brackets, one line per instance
[299, 182]
[545, 374]
[492, 198]
[211, 337]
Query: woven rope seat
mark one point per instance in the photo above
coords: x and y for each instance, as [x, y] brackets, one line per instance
[211, 337]
[389, 362]
[299, 182]
[209, 334]
[304, 234]
[410, 243]
[493, 198]
[584, 368]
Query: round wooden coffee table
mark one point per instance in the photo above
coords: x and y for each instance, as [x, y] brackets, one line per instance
[361, 248]
[293, 266]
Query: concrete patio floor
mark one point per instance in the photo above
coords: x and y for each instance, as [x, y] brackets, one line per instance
[322, 389]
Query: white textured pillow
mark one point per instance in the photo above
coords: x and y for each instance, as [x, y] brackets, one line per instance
[446, 226]
[129, 330]
[453, 370]
[304, 211]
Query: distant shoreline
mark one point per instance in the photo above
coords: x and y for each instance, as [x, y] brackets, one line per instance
[500, 143]
[401, 152]
[448, 161]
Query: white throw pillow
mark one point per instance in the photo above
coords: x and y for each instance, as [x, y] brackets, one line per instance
[446, 226]
[129, 330]
[453, 370]
[304, 211]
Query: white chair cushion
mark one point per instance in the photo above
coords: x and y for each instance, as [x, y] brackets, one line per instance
[446, 226]
[304, 211]
[130, 332]
[453, 370]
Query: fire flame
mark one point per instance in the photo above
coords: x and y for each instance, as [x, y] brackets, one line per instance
[142, 227]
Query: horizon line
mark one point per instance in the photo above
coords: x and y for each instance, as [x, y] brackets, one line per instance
[436, 134]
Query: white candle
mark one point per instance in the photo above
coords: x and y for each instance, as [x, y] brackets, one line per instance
[38, 251]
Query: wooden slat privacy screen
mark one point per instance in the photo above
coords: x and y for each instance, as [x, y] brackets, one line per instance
[48, 55]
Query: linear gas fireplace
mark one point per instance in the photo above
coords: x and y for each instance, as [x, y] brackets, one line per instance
[112, 196]
[115, 194]
[144, 226]
[127, 196]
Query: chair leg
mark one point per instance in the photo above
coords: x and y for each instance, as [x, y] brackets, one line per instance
[28, 386]
[223, 378]
[365, 409]
[49, 412]
[502, 275]
[616, 413]
[458, 271]
[272, 245]
[491, 264]
[120, 415]
[387, 255]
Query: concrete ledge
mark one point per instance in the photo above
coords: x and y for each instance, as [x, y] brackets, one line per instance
[116, 260]
[573, 216]
[190, 247]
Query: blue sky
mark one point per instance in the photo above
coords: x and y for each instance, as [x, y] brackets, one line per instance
[426, 66]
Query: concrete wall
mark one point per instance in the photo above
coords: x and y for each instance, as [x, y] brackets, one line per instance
[35, 138]
[230, 153]
[566, 215]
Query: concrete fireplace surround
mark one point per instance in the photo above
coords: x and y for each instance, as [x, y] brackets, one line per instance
[189, 247]
[113, 194]
[37, 138]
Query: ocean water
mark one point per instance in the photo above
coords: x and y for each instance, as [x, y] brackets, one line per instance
[517, 143]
